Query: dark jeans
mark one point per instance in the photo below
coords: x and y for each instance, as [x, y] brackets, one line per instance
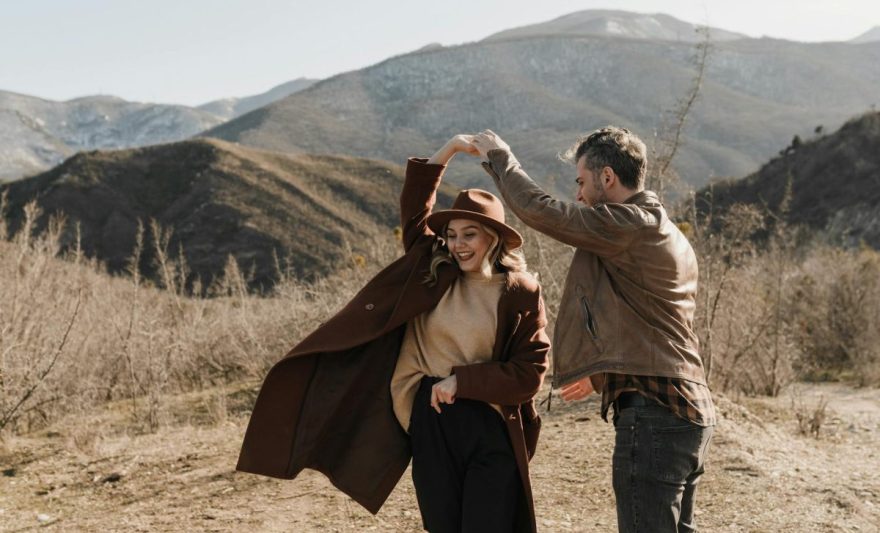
[658, 460]
[463, 466]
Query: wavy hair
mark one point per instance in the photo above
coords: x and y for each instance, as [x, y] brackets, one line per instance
[503, 259]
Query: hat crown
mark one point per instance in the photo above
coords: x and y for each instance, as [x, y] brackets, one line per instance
[479, 205]
[481, 202]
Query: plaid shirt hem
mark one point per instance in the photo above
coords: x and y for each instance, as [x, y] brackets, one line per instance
[686, 399]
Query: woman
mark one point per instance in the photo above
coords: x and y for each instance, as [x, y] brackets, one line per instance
[422, 347]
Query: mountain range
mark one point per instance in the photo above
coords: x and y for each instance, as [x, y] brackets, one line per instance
[539, 93]
[220, 199]
[36, 134]
[318, 169]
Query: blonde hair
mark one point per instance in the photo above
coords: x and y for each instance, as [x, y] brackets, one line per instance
[500, 257]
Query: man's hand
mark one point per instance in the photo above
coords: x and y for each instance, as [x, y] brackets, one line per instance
[486, 141]
[444, 392]
[578, 390]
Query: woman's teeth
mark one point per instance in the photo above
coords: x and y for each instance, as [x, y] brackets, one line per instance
[465, 256]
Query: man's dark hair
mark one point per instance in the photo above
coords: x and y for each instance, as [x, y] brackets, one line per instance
[613, 147]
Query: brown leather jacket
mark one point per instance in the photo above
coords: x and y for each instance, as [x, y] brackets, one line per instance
[327, 404]
[629, 297]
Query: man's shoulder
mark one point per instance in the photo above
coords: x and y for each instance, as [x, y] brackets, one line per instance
[644, 208]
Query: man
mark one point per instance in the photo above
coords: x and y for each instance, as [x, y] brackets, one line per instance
[625, 321]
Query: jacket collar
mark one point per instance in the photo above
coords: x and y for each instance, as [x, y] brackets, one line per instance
[644, 198]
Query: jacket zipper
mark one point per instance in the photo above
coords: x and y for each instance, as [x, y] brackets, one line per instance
[589, 322]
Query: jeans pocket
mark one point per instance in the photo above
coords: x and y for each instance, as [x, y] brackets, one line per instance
[624, 440]
[675, 452]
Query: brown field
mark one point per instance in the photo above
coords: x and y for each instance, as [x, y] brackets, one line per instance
[93, 474]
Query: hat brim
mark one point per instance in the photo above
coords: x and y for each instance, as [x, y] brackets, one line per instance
[510, 236]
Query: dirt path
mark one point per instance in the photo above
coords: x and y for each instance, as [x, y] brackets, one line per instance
[762, 476]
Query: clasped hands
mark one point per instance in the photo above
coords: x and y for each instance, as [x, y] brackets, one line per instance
[476, 145]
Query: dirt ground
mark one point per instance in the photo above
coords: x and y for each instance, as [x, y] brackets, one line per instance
[92, 474]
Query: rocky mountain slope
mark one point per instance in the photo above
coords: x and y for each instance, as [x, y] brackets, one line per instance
[835, 183]
[540, 93]
[36, 134]
[221, 199]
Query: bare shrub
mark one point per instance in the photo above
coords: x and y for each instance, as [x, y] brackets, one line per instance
[744, 319]
[837, 304]
[72, 337]
[34, 338]
[809, 417]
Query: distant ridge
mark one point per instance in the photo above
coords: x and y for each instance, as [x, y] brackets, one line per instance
[613, 23]
[36, 134]
[222, 199]
[835, 183]
[870, 36]
[228, 108]
[541, 93]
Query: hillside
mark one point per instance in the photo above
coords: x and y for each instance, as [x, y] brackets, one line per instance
[835, 183]
[222, 199]
[36, 134]
[539, 93]
[228, 108]
[614, 23]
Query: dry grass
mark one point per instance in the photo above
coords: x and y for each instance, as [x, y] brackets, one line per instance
[72, 337]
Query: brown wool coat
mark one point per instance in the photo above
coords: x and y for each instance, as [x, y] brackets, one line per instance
[327, 404]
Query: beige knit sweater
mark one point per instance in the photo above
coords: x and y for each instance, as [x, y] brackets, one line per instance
[460, 330]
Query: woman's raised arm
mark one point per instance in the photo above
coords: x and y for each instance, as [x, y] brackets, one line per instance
[420, 188]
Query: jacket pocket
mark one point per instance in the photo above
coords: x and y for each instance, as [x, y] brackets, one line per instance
[589, 319]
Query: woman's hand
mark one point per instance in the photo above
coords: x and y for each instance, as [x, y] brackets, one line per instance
[459, 143]
[444, 392]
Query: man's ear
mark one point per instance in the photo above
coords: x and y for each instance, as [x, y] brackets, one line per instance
[608, 177]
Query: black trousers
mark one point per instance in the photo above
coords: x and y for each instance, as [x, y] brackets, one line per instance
[463, 466]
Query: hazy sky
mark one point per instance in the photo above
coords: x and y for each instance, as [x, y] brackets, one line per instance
[193, 51]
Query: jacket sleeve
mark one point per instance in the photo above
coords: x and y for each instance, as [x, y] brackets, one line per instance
[417, 199]
[517, 379]
[605, 230]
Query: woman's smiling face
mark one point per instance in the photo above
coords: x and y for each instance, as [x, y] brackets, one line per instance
[468, 243]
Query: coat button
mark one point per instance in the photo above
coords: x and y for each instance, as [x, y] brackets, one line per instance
[369, 307]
